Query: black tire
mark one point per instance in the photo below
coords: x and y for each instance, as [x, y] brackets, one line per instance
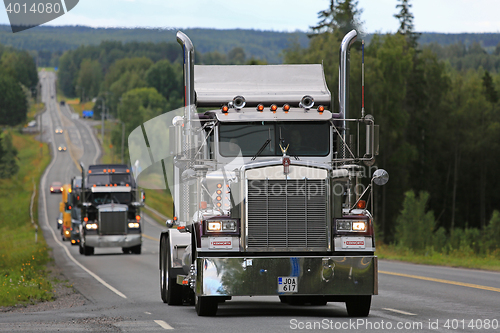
[358, 306]
[136, 249]
[80, 247]
[126, 250]
[88, 250]
[163, 275]
[284, 299]
[171, 292]
[206, 306]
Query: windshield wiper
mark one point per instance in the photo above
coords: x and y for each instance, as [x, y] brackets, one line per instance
[261, 149]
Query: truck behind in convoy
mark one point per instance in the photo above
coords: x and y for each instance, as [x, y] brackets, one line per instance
[267, 187]
[65, 209]
[110, 209]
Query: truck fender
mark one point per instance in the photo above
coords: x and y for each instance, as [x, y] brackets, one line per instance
[178, 242]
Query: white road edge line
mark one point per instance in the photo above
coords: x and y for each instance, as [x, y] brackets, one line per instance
[42, 190]
[164, 325]
[400, 311]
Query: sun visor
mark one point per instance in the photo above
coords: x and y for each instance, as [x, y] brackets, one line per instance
[267, 84]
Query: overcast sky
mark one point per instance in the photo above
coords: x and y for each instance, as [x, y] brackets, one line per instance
[447, 16]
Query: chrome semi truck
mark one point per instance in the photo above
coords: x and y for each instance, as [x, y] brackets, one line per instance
[110, 209]
[267, 187]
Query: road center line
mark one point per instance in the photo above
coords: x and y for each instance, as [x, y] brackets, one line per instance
[456, 283]
[42, 191]
[400, 311]
[164, 324]
[149, 237]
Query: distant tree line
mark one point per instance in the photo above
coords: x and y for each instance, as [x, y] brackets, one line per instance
[134, 81]
[440, 124]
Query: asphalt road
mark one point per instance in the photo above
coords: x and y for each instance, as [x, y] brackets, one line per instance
[122, 291]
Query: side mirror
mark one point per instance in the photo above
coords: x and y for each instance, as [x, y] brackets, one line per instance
[380, 177]
[143, 196]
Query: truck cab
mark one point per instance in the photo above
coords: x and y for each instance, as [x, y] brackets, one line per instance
[267, 187]
[110, 209]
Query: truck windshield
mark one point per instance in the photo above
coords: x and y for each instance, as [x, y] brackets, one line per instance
[301, 138]
[76, 213]
[117, 178]
[112, 197]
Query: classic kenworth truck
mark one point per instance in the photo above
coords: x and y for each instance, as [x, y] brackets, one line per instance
[110, 209]
[267, 190]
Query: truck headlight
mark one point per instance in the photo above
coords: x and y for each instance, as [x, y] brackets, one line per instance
[351, 225]
[91, 226]
[214, 226]
[344, 225]
[133, 225]
[359, 226]
[221, 226]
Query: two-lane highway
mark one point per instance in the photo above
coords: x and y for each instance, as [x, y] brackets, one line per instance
[122, 291]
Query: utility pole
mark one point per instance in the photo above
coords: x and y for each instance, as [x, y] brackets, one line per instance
[123, 138]
[102, 125]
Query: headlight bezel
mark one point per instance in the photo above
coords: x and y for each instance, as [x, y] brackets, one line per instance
[218, 226]
[354, 225]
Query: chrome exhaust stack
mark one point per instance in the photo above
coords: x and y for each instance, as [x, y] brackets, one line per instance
[344, 66]
[188, 51]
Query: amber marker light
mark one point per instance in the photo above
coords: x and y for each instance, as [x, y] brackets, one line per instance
[90, 171]
[224, 109]
[361, 204]
[219, 185]
[321, 108]
[85, 219]
[286, 107]
[137, 217]
[260, 107]
[274, 107]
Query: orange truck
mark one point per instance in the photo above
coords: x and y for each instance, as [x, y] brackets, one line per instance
[65, 208]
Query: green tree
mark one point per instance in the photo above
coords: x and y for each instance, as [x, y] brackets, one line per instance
[13, 102]
[236, 56]
[8, 157]
[405, 18]
[21, 66]
[342, 15]
[167, 79]
[124, 75]
[89, 79]
[136, 107]
[415, 225]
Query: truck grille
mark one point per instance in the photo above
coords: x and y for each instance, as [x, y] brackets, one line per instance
[113, 223]
[287, 215]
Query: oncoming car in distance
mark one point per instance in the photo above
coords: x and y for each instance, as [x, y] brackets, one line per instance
[59, 130]
[56, 187]
[62, 148]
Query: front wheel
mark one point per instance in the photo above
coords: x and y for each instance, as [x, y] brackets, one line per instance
[88, 250]
[171, 292]
[206, 305]
[358, 306]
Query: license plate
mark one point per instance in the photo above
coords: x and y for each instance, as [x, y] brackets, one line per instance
[287, 284]
[221, 243]
[353, 242]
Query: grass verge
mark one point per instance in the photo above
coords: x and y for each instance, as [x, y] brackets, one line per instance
[454, 259]
[23, 277]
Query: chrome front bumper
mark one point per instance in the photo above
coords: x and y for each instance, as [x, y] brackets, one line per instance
[320, 275]
[113, 240]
